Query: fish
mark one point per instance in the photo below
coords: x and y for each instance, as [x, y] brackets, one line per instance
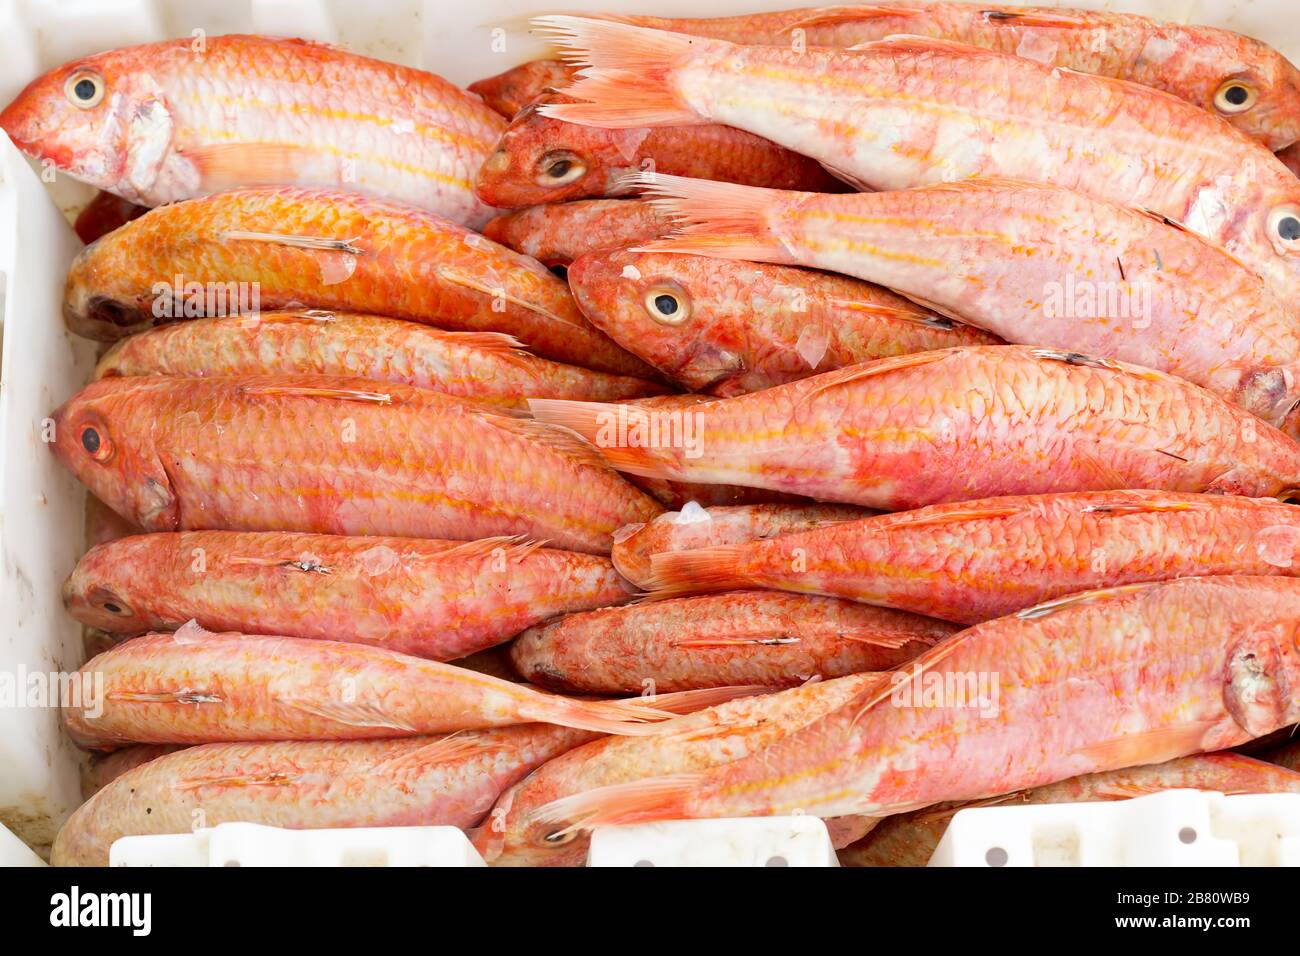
[511, 91]
[102, 769]
[269, 248]
[557, 233]
[510, 836]
[1030, 263]
[696, 527]
[544, 160]
[488, 367]
[335, 455]
[169, 121]
[913, 111]
[1243, 80]
[910, 839]
[728, 328]
[195, 686]
[680, 494]
[888, 434]
[971, 561]
[717, 640]
[440, 600]
[103, 214]
[448, 780]
[103, 524]
[1107, 679]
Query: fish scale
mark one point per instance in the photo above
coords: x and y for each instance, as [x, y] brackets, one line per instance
[248, 110]
[337, 456]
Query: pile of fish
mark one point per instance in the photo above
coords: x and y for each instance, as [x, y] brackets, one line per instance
[865, 411]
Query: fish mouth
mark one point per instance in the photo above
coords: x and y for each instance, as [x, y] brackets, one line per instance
[102, 318]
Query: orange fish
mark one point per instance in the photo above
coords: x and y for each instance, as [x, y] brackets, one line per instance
[556, 234]
[889, 434]
[1100, 681]
[743, 637]
[489, 367]
[511, 836]
[451, 780]
[974, 560]
[167, 121]
[697, 527]
[913, 111]
[435, 599]
[195, 686]
[511, 91]
[1029, 262]
[728, 327]
[542, 160]
[335, 456]
[288, 248]
[1243, 80]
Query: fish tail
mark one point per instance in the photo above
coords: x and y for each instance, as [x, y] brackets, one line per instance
[626, 718]
[614, 430]
[689, 701]
[674, 573]
[724, 220]
[628, 76]
[654, 798]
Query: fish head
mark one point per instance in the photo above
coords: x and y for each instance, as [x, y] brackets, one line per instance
[510, 837]
[92, 307]
[668, 309]
[1257, 90]
[543, 160]
[102, 590]
[104, 435]
[93, 119]
[511, 91]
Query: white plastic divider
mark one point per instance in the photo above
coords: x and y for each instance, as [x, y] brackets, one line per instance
[750, 841]
[1174, 828]
[250, 844]
[14, 852]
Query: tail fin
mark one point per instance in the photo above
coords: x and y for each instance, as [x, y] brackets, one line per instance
[610, 428]
[674, 573]
[689, 701]
[628, 76]
[724, 220]
[654, 798]
[627, 718]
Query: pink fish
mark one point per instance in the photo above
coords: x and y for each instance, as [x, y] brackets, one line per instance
[1105, 680]
[912, 111]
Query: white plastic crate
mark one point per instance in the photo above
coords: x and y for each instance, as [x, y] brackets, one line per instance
[250, 844]
[1174, 828]
[753, 841]
[41, 364]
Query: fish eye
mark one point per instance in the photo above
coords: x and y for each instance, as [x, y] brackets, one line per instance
[114, 605]
[561, 167]
[1284, 227]
[96, 443]
[84, 90]
[559, 837]
[667, 305]
[1234, 96]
